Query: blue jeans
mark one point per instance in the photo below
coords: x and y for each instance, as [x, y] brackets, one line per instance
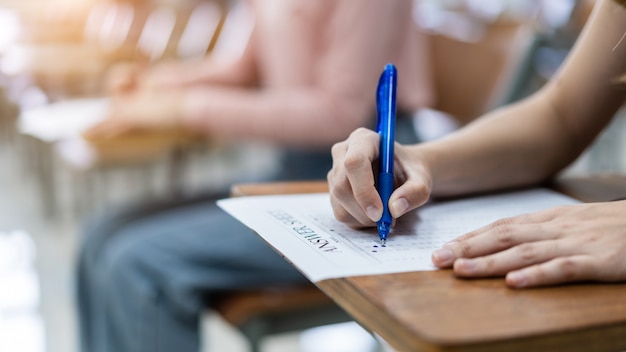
[144, 286]
[145, 274]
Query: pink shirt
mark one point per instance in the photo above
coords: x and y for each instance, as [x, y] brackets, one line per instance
[314, 66]
[342, 45]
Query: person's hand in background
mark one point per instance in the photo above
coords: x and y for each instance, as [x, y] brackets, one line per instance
[140, 110]
[142, 99]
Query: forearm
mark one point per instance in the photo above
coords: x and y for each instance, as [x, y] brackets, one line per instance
[207, 71]
[519, 145]
[212, 72]
[306, 118]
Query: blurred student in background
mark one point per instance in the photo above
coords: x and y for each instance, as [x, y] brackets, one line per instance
[306, 79]
[520, 145]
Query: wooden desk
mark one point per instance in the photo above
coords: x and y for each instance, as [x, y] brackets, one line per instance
[434, 311]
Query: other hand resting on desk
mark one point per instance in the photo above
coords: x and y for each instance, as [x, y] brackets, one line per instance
[570, 243]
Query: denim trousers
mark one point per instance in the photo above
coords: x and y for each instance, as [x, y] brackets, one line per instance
[145, 285]
[145, 274]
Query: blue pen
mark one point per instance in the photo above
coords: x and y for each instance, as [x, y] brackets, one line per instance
[385, 126]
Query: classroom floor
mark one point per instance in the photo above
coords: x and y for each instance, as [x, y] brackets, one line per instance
[45, 317]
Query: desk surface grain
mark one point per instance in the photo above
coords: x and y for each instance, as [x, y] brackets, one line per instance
[434, 311]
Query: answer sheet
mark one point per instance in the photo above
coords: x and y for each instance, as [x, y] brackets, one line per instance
[303, 229]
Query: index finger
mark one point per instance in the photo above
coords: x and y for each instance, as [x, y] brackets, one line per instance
[358, 165]
[495, 237]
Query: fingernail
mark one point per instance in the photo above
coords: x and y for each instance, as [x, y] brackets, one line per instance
[373, 213]
[399, 207]
[465, 265]
[443, 257]
[517, 279]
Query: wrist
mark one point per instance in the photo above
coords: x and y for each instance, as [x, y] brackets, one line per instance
[420, 162]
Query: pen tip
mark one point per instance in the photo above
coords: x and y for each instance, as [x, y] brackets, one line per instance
[383, 231]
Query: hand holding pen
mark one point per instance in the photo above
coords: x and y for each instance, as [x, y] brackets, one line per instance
[359, 195]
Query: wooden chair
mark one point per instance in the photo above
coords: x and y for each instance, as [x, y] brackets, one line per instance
[474, 77]
[8, 116]
[72, 65]
[114, 32]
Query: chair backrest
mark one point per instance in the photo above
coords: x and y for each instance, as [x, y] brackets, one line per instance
[109, 24]
[187, 31]
[157, 32]
[474, 77]
[200, 30]
[232, 36]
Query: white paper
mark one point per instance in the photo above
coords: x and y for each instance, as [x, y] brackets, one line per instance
[63, 119]
[304, 230]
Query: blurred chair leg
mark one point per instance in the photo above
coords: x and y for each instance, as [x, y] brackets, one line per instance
[176, 171]
[44, 172]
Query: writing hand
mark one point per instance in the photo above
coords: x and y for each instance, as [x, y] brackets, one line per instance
[564, 244]
[351, 182]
